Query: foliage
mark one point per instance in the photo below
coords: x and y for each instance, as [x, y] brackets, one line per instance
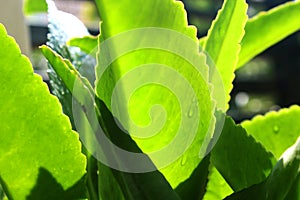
[147, 55]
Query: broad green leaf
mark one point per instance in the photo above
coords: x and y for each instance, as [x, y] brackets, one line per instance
[87, 44]
[148, 55]
[151, 185]
[223, 41]
[239, 158]
[34, 6]
[268, 28]
[276, 131]
[37, 144]
[282, 180]
[217, 188]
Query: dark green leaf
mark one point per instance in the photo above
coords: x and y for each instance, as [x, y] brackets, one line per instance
[194, 186]
[282, 180]
[239, 158]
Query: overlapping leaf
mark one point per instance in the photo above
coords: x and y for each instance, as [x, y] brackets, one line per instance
[239, 158]
[32, 156]
[62, 27]
[159, 63]
[282, 181]
[151, 185]
[217, 188]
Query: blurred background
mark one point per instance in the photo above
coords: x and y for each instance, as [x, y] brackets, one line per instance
[270, 81]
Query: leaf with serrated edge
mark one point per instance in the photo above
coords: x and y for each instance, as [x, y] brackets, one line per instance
[152, 17]
[268, 28]
[135, 186]
[223, 41]
[280, 182]
[277, 130]
[34, 134]
[239, 158]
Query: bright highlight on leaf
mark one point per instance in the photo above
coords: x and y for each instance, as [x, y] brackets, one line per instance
[37, 144]
[222, 44]
[145, 61]
[268, 28]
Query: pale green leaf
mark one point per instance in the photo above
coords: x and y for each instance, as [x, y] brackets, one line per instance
[268, 28]
[156, 64]
[239, 158]
[87, 44]
[217, 188]
[222, 44]
[34, 6]
[37, 144]
[276, 131]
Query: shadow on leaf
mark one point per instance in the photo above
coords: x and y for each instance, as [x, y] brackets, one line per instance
[47, 188]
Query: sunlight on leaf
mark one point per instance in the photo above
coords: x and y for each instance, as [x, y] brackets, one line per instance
[275, 130]
[155, 62]
[31, 123]
[268, 28]
[222, 44]
[217, 188]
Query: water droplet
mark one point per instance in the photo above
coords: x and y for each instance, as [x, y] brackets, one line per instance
[190, 113]
[183, 160]
[276, 129]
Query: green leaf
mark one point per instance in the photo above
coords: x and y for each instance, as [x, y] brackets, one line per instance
[276, 131]
[223, 41]
[87, 44]
[294, 192]
[217, 188]
[34, 6]
[283, 178]
[156, 62]
[35, 134]
[268, 28]
[239, 158]
[151, 185]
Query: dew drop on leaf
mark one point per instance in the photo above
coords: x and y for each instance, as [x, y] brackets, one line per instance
[183, 160]
[275, 129]
[190, 113]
